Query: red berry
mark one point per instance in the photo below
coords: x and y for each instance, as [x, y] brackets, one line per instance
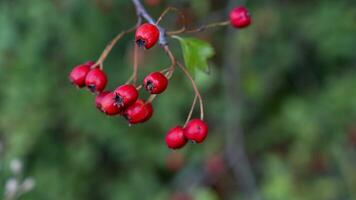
[155, 83]
[78, 74]
[108, 105]
[196, 130]
[99, 98]
[147, 35]
[138, 112]
[175, 138]
[240, 17]
[96, 80]
[126, 95]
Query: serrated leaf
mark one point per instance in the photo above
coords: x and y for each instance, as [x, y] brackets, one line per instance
[196, 54]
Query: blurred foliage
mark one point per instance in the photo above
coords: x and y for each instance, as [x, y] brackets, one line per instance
[297, 65]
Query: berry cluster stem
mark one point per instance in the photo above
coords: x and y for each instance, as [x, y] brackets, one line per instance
[181, 15]
[200, 29]
[151, 98]
[184, 25]
[109, 47]
[191, 110]
[171, 69]
[196, 90]
[133, 77]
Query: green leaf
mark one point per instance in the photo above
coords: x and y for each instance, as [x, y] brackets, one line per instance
[196, 54]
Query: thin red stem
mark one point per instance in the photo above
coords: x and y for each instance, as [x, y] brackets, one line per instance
[109, 47]
[151, 98]
[200, 29]
[196, 90]
[135, 64]
[171, 69]
[133, 77]
[181, 15]
[191, 110]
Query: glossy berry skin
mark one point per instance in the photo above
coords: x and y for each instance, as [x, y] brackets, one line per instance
[108, 105]
[196, 130]
[138, 112]
[155, 83]
[99, 98]
[147, 35]
[175, 138]
[78, 74]
[126, 95]
[96, 80]
[240, 17]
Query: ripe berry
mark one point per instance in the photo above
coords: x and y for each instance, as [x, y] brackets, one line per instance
[155, 83]
[147, 35]
[78, 74]
[126, 95]
[240, 17]
[96, 80]
[99, 98]
[175, 138]
[138, 112]
[196, 130]
[108, 105]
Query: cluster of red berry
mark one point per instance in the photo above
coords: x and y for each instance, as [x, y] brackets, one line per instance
[124, 100]
[196, 131]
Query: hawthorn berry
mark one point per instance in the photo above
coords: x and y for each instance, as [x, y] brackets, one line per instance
[196, 130]
[108, 105]
[78, 74]
[155, 83]
[126, 95]
[240, 17]
[96, 80]
[175, 138]
[138, 112]
[147, 35]
[99, 98]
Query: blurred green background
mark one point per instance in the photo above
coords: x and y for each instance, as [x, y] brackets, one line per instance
[293, 99]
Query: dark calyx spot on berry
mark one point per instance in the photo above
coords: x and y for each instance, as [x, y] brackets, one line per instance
[140, 42]
[149, 85]
[92, 88]
[119, 101]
